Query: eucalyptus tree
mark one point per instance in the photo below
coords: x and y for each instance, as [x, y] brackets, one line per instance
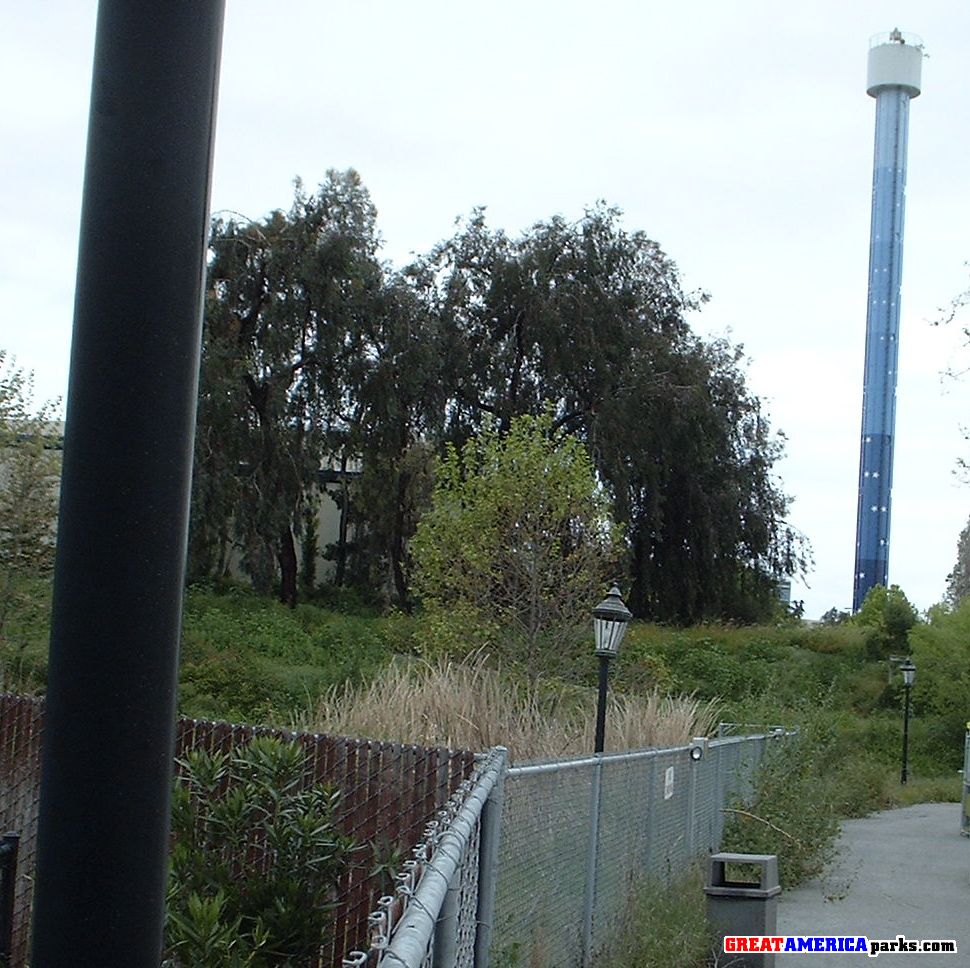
[284, 296]
[958, 581]
[592, 319]
[396, 399]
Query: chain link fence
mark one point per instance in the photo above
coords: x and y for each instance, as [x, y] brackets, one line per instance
[965, 794]
[443, 910]
[531, 865]
[577, 835]
[534, 865]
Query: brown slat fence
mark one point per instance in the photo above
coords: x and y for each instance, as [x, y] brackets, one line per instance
[389, 792]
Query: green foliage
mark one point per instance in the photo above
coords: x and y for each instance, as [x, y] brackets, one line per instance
[792, 812]
[592, 317]
[283, 294]
[929, 789]
[317, 353]
[25, 636]
[888, 615]
[251, 659]
[255, 859]
[29, 472]
[665, 924]
[941, 692]
[309, 548]
[739, 663]
[958, 581]
[519, 538]
[835, 616]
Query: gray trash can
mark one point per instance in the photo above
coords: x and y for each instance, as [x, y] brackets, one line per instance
[743, 907]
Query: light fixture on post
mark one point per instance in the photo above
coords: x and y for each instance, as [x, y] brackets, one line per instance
[909, 675]
[610, 619]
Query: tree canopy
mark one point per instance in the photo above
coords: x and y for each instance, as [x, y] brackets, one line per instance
[591, 318]
[519, 538]
[316, 352]
[890, 615]
[958, 581]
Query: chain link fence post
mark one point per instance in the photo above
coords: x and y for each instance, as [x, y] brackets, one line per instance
[965, 798]
[488, 853]
[691, 805]
[591, 861]
[445, 946]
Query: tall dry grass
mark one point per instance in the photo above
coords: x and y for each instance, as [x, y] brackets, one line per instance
[468, 705]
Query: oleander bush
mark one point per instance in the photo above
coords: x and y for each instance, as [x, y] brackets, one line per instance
[255, 860]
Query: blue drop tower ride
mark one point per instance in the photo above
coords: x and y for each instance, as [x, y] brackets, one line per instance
[895, 63]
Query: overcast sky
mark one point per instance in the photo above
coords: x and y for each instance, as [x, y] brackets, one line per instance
[739, 136]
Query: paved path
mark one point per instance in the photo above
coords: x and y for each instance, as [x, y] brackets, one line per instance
[903, 871]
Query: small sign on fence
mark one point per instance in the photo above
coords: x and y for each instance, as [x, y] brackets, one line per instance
[669, 783]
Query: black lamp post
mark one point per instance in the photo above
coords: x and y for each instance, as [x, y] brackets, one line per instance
[909, 674]
[610, 620]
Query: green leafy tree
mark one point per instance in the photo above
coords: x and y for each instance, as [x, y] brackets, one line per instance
[958, 581]
[592, 317]
[889, 616]
[284, 294]
[255, 861]
[941, 692]
[316, 351]
[836, 616]
[397, 396]
[29, 473]
[519, 540]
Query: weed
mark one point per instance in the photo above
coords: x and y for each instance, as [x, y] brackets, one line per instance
[472, 706]
[665, 924]
[792, 811]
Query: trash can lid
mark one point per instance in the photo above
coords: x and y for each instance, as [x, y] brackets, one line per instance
[752, 892]
[768, 871]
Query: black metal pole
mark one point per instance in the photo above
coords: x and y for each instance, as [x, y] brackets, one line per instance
[8, 865]
[601, 704]
[121, 545]
[904, 773]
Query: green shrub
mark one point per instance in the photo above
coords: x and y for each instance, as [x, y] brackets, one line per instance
[252, 659]
[24, 634]
[793, 811]
[255, 860]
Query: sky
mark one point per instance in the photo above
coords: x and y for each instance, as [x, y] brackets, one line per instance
[738, 136]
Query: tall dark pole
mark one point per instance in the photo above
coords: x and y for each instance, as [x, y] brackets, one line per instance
[601, 704]
[904, 773]
[109, 732]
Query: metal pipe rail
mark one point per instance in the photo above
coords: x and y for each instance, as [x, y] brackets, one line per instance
[430, 885]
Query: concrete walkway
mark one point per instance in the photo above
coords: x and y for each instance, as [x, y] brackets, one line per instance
[903, 871]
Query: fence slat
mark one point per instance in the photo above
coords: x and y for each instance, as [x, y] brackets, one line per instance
[384, 799]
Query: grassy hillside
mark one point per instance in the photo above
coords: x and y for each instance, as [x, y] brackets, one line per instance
[251, 659]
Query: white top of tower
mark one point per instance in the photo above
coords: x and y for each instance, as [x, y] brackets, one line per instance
[895, 61]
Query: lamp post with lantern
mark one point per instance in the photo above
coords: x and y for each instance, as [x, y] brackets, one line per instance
[610, 620]
[909, 675]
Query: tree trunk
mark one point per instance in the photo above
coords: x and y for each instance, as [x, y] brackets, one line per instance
[288, 568]
[397, 545]
[344, 515]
